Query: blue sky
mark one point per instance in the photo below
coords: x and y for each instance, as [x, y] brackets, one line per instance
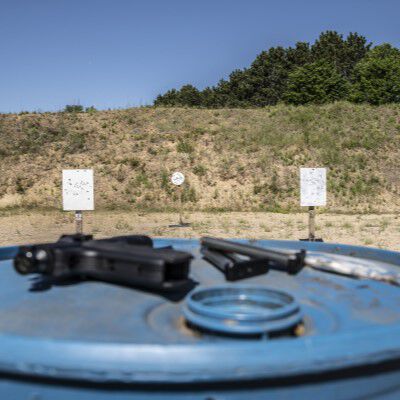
[119, 53]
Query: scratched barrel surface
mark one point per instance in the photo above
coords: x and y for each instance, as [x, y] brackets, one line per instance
[94, 340]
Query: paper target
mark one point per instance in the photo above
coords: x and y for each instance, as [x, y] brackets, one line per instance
[177, 178]
[77, 189]
[312, 186]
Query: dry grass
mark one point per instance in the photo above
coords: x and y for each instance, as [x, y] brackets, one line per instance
[368, 230]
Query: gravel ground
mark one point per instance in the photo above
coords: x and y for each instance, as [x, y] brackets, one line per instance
[374, 230]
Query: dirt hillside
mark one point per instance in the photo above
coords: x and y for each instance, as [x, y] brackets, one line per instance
[234, 159]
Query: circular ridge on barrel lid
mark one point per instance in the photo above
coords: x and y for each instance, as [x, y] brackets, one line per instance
[241, 310]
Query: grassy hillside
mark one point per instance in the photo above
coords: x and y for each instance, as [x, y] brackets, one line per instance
[234, 159]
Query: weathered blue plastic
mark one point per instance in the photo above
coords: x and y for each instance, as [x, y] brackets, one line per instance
[94, 340]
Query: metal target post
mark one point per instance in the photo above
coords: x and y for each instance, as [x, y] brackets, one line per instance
[311, 223]
[178, 179]
[180, 188]
[78, 222]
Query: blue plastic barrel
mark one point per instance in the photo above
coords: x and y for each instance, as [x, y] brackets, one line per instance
[94, 340]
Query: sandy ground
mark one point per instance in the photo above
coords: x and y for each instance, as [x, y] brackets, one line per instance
[381, 231]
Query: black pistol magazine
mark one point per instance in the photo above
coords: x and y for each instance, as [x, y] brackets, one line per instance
[127, 260]
[239, 261]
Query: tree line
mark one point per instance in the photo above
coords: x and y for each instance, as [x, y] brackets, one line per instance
[333, 68]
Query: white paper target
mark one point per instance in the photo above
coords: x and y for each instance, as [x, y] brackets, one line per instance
[77, 189]
[312, 186]
[177, 178]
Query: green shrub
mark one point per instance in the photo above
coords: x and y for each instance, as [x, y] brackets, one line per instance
[189, 194]
[76, 142]
[90, 110]
[73, 108]
[377, 77]
[200, 170]
[132, 162]
[184, 147]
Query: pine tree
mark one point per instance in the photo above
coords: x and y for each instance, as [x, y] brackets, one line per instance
[277, 73]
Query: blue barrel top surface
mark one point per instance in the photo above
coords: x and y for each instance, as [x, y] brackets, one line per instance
[100, 333]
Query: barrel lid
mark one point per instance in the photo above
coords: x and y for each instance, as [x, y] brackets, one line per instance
[102, 332]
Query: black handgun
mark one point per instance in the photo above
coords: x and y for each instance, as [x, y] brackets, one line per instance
[127, 260]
